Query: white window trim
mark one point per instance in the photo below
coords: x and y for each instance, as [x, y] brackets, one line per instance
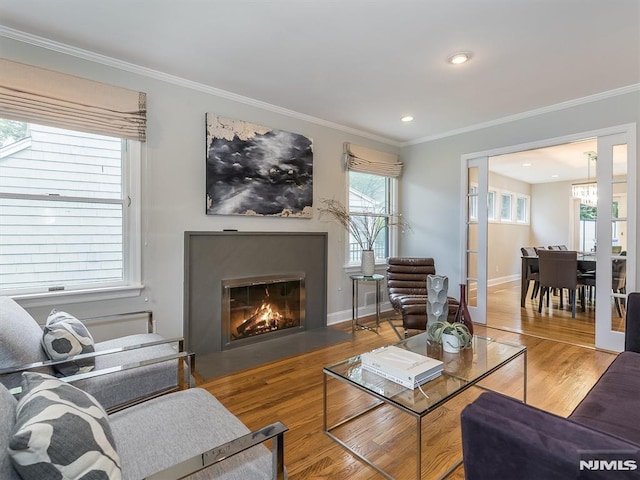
[132, 254]
[527, 199]
[491, 212]
[514, 207]
[509, 195]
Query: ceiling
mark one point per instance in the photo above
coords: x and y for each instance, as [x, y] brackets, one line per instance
[557, 163]
[361, 65]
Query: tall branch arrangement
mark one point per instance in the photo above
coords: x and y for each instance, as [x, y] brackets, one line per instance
[364, 228]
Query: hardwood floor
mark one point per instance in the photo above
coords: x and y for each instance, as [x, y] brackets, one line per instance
[290, 390]
[504, 312]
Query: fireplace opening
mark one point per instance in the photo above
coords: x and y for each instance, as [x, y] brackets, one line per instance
[258, 308]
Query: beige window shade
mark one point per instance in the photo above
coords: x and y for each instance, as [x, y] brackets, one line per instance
[37, 95]
[367, 160]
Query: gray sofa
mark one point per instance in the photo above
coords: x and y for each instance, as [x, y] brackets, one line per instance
[504, 438]
[166, 437]
[126, 369]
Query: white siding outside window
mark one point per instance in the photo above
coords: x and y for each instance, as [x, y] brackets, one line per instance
[63, 213]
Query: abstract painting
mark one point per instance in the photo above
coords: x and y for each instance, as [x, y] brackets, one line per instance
[257, 170]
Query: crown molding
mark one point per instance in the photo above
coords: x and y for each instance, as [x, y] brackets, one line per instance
[181, 82]
[531, 113]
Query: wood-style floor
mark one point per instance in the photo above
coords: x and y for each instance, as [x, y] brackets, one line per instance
[504, 312]
[290, 390]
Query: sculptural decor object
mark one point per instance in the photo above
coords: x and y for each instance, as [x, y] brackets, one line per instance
[437, 303]
[462, 315]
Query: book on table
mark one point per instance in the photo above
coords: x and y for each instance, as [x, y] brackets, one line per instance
[407, 368]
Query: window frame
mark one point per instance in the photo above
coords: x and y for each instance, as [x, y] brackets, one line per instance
[527, 209]
[503, 197]
[131, 284]
[492, 196]
[391, 231]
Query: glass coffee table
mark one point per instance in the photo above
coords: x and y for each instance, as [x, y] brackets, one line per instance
[376, 419]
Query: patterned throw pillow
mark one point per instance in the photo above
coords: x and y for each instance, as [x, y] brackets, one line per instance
[63, 336]
[61, 432]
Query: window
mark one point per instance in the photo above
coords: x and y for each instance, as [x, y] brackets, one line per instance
[66, 222]
[505, 207]
[522, 210]
[370, 197]
[491, 205]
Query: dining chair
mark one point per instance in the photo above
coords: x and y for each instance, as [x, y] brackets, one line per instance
[531, 274]
[619, 281]
[558, 269]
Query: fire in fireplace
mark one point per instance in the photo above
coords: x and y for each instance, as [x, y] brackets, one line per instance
[261, 307]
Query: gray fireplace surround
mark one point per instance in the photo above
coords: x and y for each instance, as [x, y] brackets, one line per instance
[211, 257]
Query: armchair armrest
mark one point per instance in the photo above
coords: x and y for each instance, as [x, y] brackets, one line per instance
[274, 431]
[150, 324]
[632, 330]
[51, 363]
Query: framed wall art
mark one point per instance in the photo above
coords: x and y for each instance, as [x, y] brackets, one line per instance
[256, 170]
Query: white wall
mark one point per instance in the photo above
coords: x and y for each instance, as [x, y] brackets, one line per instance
[551, 214]
[506, 239]
[174, 184]
[431, 183]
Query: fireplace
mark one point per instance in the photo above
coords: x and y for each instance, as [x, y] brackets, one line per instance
[260, 308]
[214, 257]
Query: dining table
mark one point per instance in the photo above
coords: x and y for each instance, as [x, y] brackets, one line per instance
[586, 263]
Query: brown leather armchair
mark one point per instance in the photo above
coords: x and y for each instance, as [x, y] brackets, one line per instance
[407, 289]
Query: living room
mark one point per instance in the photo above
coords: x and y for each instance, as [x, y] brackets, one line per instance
[172, 193]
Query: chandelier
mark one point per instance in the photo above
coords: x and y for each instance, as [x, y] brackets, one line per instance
[587, 191]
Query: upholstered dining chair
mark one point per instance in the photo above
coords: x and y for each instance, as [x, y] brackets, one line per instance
[532, 274]
[558, 269]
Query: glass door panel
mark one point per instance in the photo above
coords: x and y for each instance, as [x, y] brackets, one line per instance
[475, 238]
[615, 236]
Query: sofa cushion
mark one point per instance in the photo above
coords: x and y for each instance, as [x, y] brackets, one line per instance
[61, 432]
[161, 432]
[20, 337]
[119, 387]
[612, 404]
[64, 336]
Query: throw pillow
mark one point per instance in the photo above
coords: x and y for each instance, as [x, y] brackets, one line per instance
[64, 336]
[61, 432]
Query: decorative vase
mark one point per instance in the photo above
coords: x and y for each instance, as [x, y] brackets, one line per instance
[462, 315]
[437, 303]
[450, 343]
[368, 263]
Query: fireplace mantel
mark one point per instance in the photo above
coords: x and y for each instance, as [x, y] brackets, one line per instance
[212, 257]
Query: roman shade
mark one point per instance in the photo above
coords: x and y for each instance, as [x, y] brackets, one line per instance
[368, 160]
[36, 95]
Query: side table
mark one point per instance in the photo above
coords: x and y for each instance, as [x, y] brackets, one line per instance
[355, 319]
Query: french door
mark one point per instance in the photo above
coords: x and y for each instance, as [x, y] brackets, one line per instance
[615, 227]
[615, 236]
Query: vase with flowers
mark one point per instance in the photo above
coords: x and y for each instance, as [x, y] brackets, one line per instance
[363, 228]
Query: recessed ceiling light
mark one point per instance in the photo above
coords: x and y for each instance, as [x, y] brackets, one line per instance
[554, 176]
[407, 118]
[526, 164]
[459, 57]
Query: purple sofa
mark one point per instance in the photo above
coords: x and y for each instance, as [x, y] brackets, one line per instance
[505, 439]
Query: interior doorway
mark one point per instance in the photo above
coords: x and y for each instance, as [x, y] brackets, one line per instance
[531, 196]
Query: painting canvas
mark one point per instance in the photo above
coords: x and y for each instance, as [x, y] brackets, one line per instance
[257, 170]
